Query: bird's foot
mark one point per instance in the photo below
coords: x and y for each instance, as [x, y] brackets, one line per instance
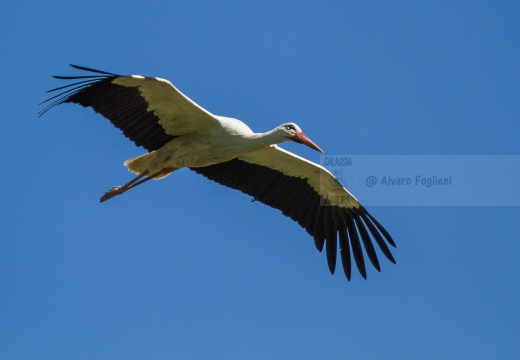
[116, 190]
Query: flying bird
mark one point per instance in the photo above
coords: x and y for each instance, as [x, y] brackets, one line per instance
[178, 133]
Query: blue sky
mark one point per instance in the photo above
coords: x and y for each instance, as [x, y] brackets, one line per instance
[183, 268]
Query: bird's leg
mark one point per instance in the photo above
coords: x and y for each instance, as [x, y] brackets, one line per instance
[138, 180]
[117, 190]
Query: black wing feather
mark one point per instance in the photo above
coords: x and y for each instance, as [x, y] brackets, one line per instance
[331, 242]
[356, 247]
[369, 247]
[344, 249]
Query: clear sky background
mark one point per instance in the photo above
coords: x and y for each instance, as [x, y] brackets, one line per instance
[183, 268]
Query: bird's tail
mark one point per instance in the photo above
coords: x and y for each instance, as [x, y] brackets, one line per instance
[139, 164]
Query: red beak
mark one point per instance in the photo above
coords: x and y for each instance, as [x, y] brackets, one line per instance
[301, 138]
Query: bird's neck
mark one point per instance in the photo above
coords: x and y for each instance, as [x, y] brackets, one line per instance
[261, 140]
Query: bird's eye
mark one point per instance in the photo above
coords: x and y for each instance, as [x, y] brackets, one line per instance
[289, 127]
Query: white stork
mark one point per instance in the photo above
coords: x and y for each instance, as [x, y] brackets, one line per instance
[178, 133]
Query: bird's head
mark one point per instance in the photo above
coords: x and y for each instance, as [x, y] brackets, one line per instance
[292, 132]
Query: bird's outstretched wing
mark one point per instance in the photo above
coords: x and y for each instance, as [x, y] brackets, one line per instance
[310, 195]
[150, 111]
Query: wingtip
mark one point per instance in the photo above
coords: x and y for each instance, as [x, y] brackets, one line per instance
[83, 68]
[77, 67]
[348, 274]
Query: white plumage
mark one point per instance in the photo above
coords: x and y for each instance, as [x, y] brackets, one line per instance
[179, 133]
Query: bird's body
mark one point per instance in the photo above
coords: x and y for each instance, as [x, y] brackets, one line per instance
[178, 133]
[203, 147]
